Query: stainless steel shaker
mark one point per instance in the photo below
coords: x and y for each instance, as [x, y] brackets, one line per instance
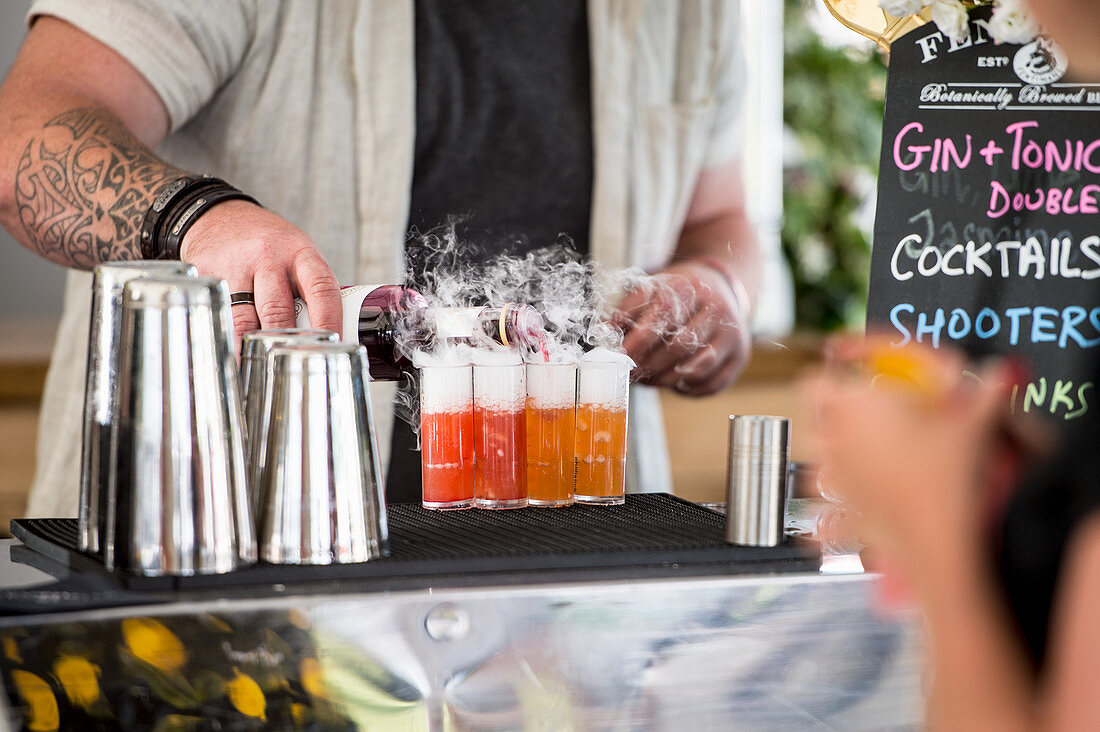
[255, 347]
[101, 389]
[759, 450]
[322, 496]
[181, 503]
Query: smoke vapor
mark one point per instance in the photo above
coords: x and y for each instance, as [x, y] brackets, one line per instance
[576, 298]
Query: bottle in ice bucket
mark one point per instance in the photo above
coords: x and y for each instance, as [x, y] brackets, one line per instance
[515, 325]
[380, 316]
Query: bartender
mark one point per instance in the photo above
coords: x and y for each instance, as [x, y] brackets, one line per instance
[615, 125]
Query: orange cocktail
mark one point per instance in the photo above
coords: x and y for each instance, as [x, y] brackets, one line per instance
[551, 425]
[603, 396]
[447, 437]
[500, 436]
[601, 453]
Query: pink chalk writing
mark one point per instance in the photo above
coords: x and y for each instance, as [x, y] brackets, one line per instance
[1054, 201]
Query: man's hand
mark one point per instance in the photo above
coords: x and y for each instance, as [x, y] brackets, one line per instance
[686, 330]
[256, 251]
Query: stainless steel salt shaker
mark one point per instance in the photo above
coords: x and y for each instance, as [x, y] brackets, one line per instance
[757, 480]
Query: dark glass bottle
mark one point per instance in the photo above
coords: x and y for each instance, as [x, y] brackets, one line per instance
[384, 318]
[389, 317]
[392, 321]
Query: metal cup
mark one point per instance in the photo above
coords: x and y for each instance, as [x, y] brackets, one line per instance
[101, 389]
[321, 492]
[757, 480]
[255, 347]
[181, 504]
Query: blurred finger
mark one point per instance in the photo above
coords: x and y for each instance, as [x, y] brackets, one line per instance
[727, 340]
[665, 361]
[711, 371]
[843, 349]
[671, 296]
[629, 309]
[274, 299]
[317, 285]
[718, 379]
[930, 372]
[642, 340]
[716, 366]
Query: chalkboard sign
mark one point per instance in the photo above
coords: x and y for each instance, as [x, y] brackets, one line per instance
[987, 234]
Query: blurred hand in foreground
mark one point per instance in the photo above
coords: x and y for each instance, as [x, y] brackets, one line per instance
[909, 437]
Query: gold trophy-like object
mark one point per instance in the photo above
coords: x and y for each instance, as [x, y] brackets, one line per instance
[868, 19]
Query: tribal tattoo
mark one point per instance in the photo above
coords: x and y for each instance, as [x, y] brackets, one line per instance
[83, 186]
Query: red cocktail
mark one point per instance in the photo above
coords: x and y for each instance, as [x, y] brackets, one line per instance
[447, 437]
[500, 435]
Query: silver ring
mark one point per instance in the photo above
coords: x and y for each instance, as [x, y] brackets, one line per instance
[241, 298]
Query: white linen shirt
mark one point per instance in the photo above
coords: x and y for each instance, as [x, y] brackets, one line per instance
[309, 106]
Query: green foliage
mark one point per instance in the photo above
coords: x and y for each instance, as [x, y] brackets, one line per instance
[832, 108]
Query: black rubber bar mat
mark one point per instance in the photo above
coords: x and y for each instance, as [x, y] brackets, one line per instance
[651, 535]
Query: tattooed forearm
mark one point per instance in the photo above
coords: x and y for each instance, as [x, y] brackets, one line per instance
[83, 186]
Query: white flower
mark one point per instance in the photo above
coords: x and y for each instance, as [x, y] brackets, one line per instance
[902, 8]
[1011, 23]
[952, 19]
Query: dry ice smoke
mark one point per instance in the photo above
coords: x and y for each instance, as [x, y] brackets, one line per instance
[564, 288]
[576, 298]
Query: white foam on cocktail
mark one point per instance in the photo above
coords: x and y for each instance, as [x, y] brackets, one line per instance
[499, 380]
[457, 355]
[603, 377]
[499, 356]
[445, 389]
[606, 355]
[554, 352]
[552, 385]
[446, 381]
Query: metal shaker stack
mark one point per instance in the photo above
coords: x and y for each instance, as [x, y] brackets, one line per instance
[166, 489]
[163, 488]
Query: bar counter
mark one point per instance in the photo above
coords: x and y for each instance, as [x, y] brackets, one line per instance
[770, 651]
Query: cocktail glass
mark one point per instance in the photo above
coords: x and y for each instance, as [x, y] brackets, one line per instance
[551, 427]
[603, 393]
[447, 437]
[500, 435]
